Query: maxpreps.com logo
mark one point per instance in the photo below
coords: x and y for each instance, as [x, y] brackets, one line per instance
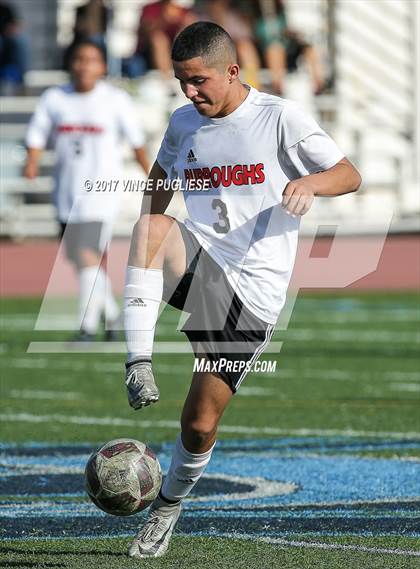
[228, 175]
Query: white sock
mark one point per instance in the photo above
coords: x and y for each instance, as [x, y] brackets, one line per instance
[184, 472]
[91, 299]
[112, 310]
[142, 297]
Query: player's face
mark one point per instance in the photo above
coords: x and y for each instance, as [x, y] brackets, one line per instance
[208, 88]
[87, 67]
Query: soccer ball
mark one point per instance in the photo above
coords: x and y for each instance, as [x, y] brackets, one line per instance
[123, 477]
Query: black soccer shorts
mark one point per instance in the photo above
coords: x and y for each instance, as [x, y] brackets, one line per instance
[83, 235]
[219, 326]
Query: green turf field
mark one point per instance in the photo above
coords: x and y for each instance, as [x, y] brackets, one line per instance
[339, 418]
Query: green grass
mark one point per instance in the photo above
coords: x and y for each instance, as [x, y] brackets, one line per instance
[348, 363]
[326, 378]
[205, 553]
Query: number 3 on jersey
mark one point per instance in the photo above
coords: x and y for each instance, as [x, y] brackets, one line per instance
[223, 225]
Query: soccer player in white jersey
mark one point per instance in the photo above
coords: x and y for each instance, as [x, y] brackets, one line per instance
[229, 265]
[86, 120]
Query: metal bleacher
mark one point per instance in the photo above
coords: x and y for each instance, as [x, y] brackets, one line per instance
[371, 113]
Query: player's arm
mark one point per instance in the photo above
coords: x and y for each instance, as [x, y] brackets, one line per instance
[156, 199]
[321, 167]
[342, 178]
[132, 130]
[140, 155]
[31, 167]
[38, 132]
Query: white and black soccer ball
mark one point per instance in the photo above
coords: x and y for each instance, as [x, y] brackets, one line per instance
[123, 477]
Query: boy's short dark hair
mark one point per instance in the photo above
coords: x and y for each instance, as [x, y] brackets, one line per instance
[206, 40]
[86, 42]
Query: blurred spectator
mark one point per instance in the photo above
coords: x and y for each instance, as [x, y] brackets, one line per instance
[14, 52]
[281, 47]
[90, 24]
[233, 20]
[159, 23]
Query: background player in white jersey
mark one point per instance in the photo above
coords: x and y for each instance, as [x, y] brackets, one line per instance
[85, 121]
[229, 265]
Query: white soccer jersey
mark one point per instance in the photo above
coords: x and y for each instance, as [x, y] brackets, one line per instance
[85, 130]
[248, 157]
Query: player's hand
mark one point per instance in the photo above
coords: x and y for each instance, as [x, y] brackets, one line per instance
[31, 170]
[298, 196]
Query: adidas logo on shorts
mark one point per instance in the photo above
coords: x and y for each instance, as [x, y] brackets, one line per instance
[137, 302]
[191, 157]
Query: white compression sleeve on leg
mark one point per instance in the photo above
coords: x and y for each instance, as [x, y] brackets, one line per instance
[91, 299]
[142, 297]
[112, 310]
[184, 472]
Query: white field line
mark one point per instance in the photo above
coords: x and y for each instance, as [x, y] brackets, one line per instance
[367, 335]
[173, 369]
[62, 364]
[103, 348]
[325, 546]
[120, 422]
[69, 364]
[357, 316]
[281, 373]
[410, 387]
[27, 321]
[44, 394]
[372, 336]
[83, 420]
[244, 391]
[403, 375]
[345, 375]
[251, 391]
[337, 504]
[181, 347]
[274, 541]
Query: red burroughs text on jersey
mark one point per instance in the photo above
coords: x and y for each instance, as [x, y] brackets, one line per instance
[238, 175]
[85, 128]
